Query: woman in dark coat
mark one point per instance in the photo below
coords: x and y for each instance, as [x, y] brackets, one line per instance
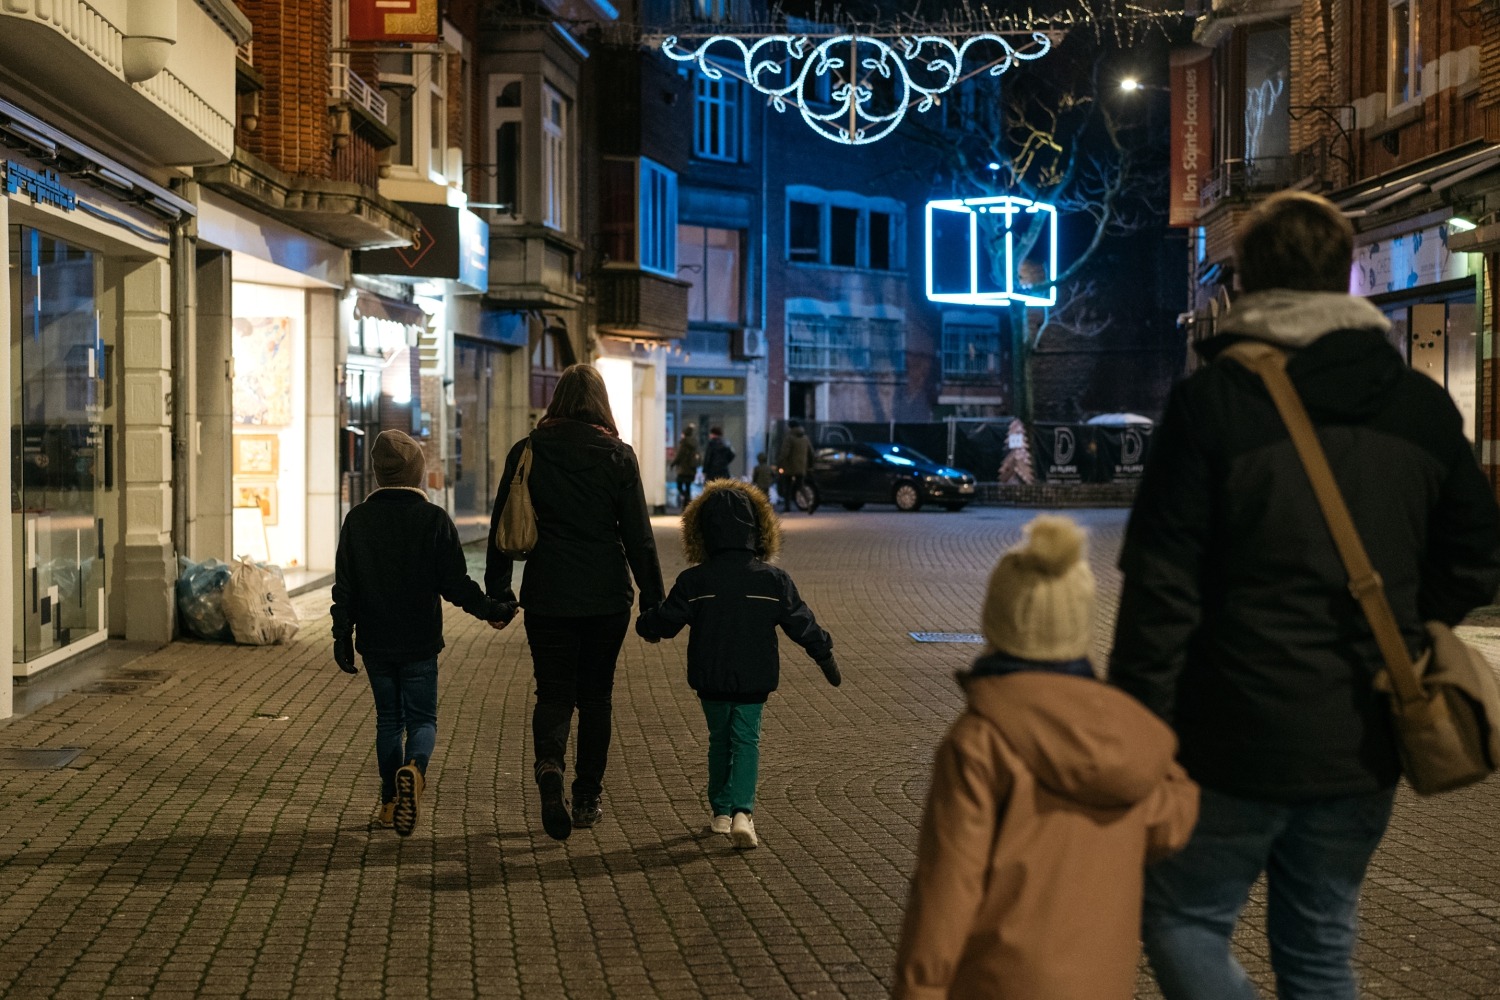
[593, 535]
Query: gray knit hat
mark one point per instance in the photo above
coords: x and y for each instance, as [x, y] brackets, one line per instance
[398, 460]
[1040, 604]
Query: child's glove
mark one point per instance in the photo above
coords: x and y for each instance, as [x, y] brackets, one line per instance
[343, 653]
[830, 670]
[644, 632]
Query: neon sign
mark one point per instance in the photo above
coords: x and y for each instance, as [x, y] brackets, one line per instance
[973, 257]
[870, 85]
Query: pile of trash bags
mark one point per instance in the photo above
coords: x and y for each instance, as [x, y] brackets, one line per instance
[245, 603]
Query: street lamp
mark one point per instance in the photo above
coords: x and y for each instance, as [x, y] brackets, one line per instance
[1132, 84]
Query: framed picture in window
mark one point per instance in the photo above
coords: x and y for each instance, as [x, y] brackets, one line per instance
[248, 493]
[256, 455]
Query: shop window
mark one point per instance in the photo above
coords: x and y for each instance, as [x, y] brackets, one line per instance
[1404, 59]
[717, 121]
[557, 177]
[710, 259]
[505, 144]
[639, 216]
[414, 85]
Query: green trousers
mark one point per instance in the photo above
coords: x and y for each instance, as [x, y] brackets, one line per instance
[733, 755]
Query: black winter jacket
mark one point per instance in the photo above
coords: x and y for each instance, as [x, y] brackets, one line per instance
[1236, 624]
[733, 603]
[593, 529]
[717, 457]
[397, 555]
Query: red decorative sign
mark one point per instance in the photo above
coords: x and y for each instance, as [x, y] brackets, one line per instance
[393, 21]
[1192, 131]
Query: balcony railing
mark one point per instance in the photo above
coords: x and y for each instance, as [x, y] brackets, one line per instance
[1238, 179]
[347, 86]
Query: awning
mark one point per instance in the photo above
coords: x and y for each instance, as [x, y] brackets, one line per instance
[1435, 174]
[368, 305]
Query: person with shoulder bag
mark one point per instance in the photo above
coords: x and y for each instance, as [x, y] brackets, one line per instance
[1241, 625]
[592, 536]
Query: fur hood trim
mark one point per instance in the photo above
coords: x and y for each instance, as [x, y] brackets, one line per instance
[695, 545]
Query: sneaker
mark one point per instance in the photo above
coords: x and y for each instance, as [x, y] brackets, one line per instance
[742, 831]
[407, 807]
[385, 816]
[555, 818]
[720, 824]
[586, 812]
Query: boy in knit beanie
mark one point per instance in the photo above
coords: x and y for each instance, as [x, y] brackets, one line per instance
[1049, 794]
[398, 554]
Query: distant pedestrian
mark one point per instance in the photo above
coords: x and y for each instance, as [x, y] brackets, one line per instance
[717, 456]
[733, 600]
[763, 476]
[795, 459]
[685, 463]
[1049, 795]
[397, 555]
[1237, 625]
[593, 536]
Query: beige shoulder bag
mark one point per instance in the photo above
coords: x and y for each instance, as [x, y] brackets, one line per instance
[515, 535]
[1446, 705]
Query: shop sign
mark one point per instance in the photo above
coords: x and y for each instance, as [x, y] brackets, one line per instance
[393, 21]
[43, 187]
[451, 243]
[697, 386]
[1191, 128]
[1408, 261]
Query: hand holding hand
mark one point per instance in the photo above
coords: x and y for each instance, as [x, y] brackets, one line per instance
[508, 615]
[830, 670]
[343, 653]
[640, 629]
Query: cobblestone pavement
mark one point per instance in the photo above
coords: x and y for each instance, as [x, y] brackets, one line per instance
[211, 839]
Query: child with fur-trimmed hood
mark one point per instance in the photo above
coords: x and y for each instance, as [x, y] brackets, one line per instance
[733, 600]
[1049, 795]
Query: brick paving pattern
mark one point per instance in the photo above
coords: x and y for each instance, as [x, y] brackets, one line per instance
[211, 839]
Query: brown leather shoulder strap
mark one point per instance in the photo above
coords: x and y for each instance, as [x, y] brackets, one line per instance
[1365, 584]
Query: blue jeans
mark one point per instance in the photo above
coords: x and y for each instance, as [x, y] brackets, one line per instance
[405, 702]
[1314, 855]
[733, 755]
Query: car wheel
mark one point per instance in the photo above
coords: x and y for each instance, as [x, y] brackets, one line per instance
[907, 497]
[955, 507]
[806, 497]
[853, 504]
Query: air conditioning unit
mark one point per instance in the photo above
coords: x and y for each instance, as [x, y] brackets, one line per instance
[748, 343]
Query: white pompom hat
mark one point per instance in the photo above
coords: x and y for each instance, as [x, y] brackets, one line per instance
[1040, 602]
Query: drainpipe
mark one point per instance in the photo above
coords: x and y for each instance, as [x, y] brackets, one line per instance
[150, 33]
[184, 405]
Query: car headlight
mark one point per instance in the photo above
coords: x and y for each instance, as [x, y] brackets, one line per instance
[933, 480]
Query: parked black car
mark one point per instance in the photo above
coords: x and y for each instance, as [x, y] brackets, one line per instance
[878, 472]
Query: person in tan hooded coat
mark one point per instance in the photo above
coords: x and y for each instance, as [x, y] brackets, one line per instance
[1049, 795]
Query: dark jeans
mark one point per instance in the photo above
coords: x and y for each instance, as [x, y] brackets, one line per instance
[1314, 855]
[405, 701]
[573, 660]
[684, 490]
[790, 484]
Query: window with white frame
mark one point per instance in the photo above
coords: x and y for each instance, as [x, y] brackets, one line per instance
[971, 347]
[414, 85]
[1404, 61]
[840, 229]
[505, 144]
[557, 177]
[844, 344]
[713, 10]
[717, 122]
[639, 214]
[710, 259]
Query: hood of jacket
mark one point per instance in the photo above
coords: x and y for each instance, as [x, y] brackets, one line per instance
[730, 515]
[1080, 738]
[573, 445]
[1343, 366]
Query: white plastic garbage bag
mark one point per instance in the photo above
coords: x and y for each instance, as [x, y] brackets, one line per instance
[256, 605]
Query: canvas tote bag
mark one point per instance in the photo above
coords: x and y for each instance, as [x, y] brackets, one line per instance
[1447, 704]
[516, 533]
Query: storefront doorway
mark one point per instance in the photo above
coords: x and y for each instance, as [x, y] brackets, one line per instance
[60, 452]
[1439, 337]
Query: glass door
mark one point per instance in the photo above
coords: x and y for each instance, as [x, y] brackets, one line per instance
[57, 444]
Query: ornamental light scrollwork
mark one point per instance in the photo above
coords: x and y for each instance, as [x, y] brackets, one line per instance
[868, 103]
